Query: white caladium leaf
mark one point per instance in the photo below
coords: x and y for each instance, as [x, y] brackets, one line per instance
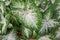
[58, 14]
[10, 36]
[26, 32]
[31, 17]
[52, 1]
[58, 33]
[7, 2]
[2, 7]
[44, 5]
[58, 6]
[57, 3]
[46, 37]
[47, 22]
[4, 24]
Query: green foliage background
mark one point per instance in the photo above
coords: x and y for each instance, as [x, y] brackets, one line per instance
[46, 13]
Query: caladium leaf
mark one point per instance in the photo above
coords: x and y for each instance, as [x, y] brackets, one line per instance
[18, 4]
[46, 37]
[31, 17]
[4, 24]
[44, 5]
[27, 33]
[48, 21]
[57, 8]
[52, 1]
[7, 2]
[10, 36]
[2, 7]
